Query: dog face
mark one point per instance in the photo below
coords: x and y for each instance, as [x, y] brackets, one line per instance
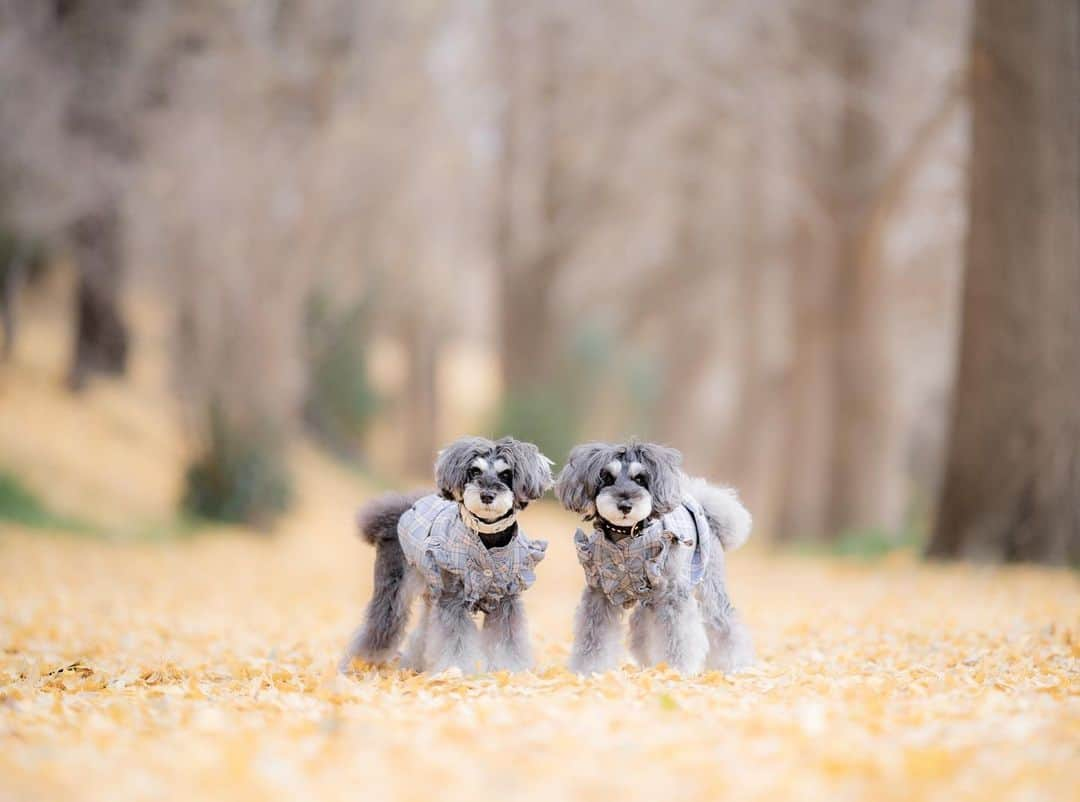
[622, 483]
[491, 477]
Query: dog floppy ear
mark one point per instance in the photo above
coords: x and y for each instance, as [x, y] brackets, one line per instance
[532, 470]
[452, 465]
[579, 480]
[665, 478]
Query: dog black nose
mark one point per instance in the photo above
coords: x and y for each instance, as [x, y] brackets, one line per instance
[487, 497]
[625, 507]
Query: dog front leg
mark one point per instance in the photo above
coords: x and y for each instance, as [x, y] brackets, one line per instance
[452, 638]
[681, 633]
[413, 656]
[642, 635]
[596, 634]
[505, 637]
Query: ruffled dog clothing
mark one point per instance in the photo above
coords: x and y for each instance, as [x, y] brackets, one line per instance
[636, 567]
[452, 557]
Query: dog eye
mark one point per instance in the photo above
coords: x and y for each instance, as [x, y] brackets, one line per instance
[642, 480]
[473, 472]
[606, 479]
[505, 477]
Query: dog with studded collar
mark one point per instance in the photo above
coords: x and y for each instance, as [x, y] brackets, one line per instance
[657, 547]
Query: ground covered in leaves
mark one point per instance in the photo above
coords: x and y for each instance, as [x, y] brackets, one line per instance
[201, 666]
[205, 668]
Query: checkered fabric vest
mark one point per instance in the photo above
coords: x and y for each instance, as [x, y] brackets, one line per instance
[452, 558]
[635, 567]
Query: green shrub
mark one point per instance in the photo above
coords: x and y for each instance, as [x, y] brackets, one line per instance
[542, 415]
[239, 477]
[553, 413]
[341, 401]
[19, 505]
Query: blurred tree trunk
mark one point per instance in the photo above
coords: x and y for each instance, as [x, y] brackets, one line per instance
[14, 256]
[421, 401]
[101, 335]
[749, 456]
[1012, 483]
[674, 284]
[846, 466]
[866, 481]
[806, 462]
[97, 42]
[527, 270]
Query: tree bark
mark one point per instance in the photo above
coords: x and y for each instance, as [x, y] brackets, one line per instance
[810, 394]
[865, 472]
[12, 278]
[526, 274]
[421, 403]
[1012, 482]
[101, 335]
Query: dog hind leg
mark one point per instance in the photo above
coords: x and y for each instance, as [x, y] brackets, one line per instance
[730, 645]
[387, 614]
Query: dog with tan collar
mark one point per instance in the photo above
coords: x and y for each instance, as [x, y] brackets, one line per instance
[462, 551]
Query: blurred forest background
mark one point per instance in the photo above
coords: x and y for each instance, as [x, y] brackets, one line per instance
[738, 227]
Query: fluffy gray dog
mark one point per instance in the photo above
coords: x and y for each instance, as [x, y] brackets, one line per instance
[658, 547]
[462, 551]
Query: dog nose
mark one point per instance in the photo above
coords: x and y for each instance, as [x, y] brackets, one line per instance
[487, 497]
[625, 507]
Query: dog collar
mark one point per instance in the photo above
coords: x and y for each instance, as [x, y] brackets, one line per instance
[477, 524]
[616, 533]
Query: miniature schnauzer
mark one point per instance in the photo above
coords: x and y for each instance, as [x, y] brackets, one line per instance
[658, 545]
[463, 552]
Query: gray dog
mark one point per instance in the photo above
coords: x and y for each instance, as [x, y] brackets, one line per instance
[658, 546]
[463, 552]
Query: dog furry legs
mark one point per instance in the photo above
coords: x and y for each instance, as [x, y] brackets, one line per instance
[642, 635]
[597, 645]
[679, 634]
[730, 645]
[452, 638]
[505, 637]
[377, 638]
[412, 658]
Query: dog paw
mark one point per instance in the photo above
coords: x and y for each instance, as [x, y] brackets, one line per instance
[586, 668]
[732, 661]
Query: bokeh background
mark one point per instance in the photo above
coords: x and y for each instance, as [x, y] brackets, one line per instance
[260, 259]
[367, 227]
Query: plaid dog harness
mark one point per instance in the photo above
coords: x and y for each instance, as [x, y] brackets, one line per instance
[446, 552]
[634, 568]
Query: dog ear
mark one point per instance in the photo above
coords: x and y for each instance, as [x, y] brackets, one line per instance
[579, 480]
[452, 465]
[665, 478]
[532, 470]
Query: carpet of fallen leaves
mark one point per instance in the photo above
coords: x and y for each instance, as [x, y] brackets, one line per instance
[205, 669]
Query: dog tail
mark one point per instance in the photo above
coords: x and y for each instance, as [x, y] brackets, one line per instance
[378, 519]
[728, 518]
[387, 614]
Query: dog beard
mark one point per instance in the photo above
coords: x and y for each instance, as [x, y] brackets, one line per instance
[607, 507]
[500, 505]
